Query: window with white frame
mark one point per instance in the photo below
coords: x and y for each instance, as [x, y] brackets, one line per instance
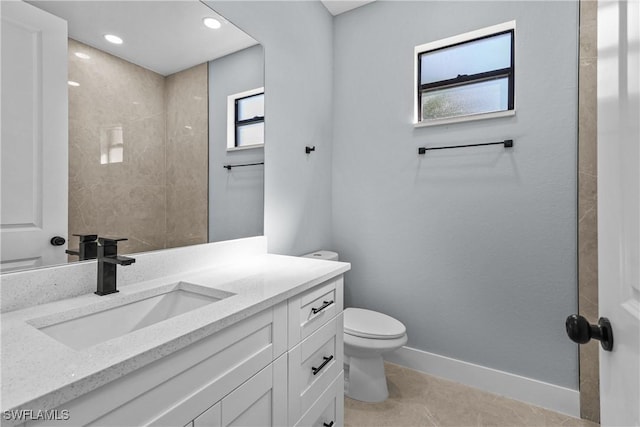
[245, 119]
[466, 77]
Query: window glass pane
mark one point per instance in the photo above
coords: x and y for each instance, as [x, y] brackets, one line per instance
[483, 97]
[475, 57]
[251, 107]
[250, 134]
[111, 145]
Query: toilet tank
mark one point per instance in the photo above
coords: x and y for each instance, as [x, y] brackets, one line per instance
[325, 255]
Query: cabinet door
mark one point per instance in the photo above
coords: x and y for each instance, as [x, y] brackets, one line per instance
[328, 410]
[209, 418]
[261, 401]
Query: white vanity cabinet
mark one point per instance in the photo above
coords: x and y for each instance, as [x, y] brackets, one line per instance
[315, 357]
[260, 401]
[176, 389]
[282, 366]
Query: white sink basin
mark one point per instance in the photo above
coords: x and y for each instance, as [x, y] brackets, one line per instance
[80, 330]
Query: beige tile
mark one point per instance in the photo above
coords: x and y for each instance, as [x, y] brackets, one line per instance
[187, 160]
[187, 216]
[588, 253]
[114, 89]
[587, 195]
[130, 198]
[588, 39]
[417, 399]
[83, 208]
[145, 151]
[187, 126]
[587, 206]
[588, 12]
[587, 120]
[187, 156]
[589, 381]
[124, 199]
[136, 212]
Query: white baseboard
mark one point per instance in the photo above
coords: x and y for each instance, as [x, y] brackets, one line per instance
[534, 392]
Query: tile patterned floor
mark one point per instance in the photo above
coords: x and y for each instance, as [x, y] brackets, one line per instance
[417, 399]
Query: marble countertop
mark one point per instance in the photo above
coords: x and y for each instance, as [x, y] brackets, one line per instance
[41, 373]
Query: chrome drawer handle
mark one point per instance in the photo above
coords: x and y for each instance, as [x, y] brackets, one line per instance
[319, 368]
[328, 425]
[324, 305]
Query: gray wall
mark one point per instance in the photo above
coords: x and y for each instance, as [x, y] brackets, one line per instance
[473, 249]
[236, 197]
[297, 38]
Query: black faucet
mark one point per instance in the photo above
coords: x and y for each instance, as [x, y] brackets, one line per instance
[108, 259]
[87, 247]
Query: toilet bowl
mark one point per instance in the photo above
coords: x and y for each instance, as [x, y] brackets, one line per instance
[367, 336]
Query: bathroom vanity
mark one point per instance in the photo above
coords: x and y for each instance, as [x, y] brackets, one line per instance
[252, 341]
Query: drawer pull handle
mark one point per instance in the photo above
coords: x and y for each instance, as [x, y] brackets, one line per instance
[324, 305]
[319, 368]
[328, 425]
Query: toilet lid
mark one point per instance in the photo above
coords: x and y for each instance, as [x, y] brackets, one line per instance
[371, 324]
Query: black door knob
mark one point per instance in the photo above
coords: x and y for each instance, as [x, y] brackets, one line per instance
[581, 331]
[58, 241]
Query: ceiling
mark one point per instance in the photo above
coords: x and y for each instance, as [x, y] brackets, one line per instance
[336, 7]
[162, 36]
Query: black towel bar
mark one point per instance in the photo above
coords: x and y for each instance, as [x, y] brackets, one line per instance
[506, 143]
[228, 167]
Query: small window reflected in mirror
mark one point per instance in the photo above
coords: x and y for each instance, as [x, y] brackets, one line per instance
[245, 119]
[111, 145]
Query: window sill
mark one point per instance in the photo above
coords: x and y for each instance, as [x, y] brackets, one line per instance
[463, 119]
[245, 147]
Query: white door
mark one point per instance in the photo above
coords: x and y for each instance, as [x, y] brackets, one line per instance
[619, 208]
[34, 137]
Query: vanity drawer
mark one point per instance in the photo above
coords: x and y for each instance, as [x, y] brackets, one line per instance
[313, 365]
[328, 410]
[312, 309]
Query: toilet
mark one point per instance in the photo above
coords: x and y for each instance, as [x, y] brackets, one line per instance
[367, 336]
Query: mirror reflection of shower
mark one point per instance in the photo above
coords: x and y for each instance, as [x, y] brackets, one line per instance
[140, 123]
[138, 144]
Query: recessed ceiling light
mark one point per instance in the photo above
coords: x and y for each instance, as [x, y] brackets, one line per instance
[82, 55]
[211, 23]
[72, 83]
[113, 39]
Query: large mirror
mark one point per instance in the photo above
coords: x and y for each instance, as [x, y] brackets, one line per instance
[165, 131]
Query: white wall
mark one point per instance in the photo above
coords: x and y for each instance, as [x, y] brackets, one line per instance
[297, 38]
[236, 197]
[473, 249]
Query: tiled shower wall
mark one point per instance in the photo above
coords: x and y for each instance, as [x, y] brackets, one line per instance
[186, 95]
[136, 167]
[587, 208]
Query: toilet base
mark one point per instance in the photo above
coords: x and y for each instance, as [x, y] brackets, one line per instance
[367, 382]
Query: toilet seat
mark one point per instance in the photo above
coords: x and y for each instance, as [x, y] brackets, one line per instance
[369, 324]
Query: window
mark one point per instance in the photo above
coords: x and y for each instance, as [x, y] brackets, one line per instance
[111, 145]
[245, 119]
[466, 77]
